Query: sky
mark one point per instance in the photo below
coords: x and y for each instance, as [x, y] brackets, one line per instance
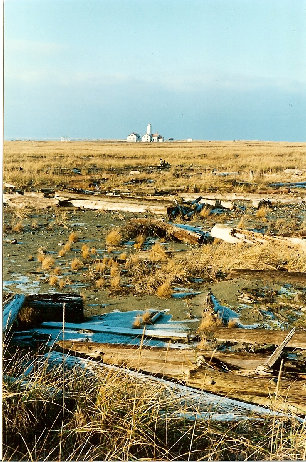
[201, 69]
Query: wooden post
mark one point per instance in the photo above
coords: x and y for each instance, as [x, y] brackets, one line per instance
[278, 351]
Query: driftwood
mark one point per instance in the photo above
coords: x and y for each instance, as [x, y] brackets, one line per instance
[270, 275]
[260, 337]
[177, 232]
[199, 403]
[234, 235]
[165, 334]
[209, 375]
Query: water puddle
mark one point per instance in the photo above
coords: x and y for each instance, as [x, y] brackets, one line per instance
[182, 292]
[22, 283]
[300, 184]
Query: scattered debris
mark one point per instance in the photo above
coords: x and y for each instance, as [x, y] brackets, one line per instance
[152, 227]
[276, 354]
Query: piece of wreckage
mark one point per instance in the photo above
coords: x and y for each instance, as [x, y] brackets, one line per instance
[187, 209]
[156, 351]
[157, 227]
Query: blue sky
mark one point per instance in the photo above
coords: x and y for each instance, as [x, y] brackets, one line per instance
[204, 69]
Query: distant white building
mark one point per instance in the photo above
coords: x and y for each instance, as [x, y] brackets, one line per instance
[133, 138]
[156, 138]
[147, 137]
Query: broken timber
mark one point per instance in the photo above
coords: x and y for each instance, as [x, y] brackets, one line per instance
[235, 235]
[200, 404]
[259, 337]
[276, 354]
[182, 366]
[97, 327]
[163, 229]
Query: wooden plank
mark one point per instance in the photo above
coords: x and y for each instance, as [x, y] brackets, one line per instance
[99, 327]
[260, 337]
[11, 310]
[183, 365]
[276, 354]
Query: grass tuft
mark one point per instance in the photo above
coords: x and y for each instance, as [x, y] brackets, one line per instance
[47, 263]
[164, 290]
[113, 238]
[76, 264]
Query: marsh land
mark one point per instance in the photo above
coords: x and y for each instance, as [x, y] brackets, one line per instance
[209, 234]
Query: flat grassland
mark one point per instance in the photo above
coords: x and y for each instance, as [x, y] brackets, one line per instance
[203, 166]
[55, 243]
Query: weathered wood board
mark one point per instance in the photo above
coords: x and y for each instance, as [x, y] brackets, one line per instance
[183, 365]
[260, 337]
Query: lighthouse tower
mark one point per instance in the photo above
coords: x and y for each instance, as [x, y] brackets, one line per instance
[149, 129]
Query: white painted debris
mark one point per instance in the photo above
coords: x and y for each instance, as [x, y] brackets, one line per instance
[234, 235]
[221, 231]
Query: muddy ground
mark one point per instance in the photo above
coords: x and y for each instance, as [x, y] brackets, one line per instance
[273, 302]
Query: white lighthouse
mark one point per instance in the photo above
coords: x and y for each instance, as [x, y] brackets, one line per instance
[149, 129]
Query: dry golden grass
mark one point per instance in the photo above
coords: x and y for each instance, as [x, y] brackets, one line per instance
[100, 266]
[18, 227]
[40, 257]
[114, 271]
[139, 241]
[209, 322]
[76, 264]
[67, 246]
[53, 280]
[100, 283]
[137, 322]
[266, 160]
[113, 416]
[146, 317]
[232, 323]
[158, 253]
[262, 212]
[85, 251]
[164, 290]
[61, 283]
[73, 237]
[115, 282]
[57, 271]
[113, 238]
[205, 212]
[47, 263]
